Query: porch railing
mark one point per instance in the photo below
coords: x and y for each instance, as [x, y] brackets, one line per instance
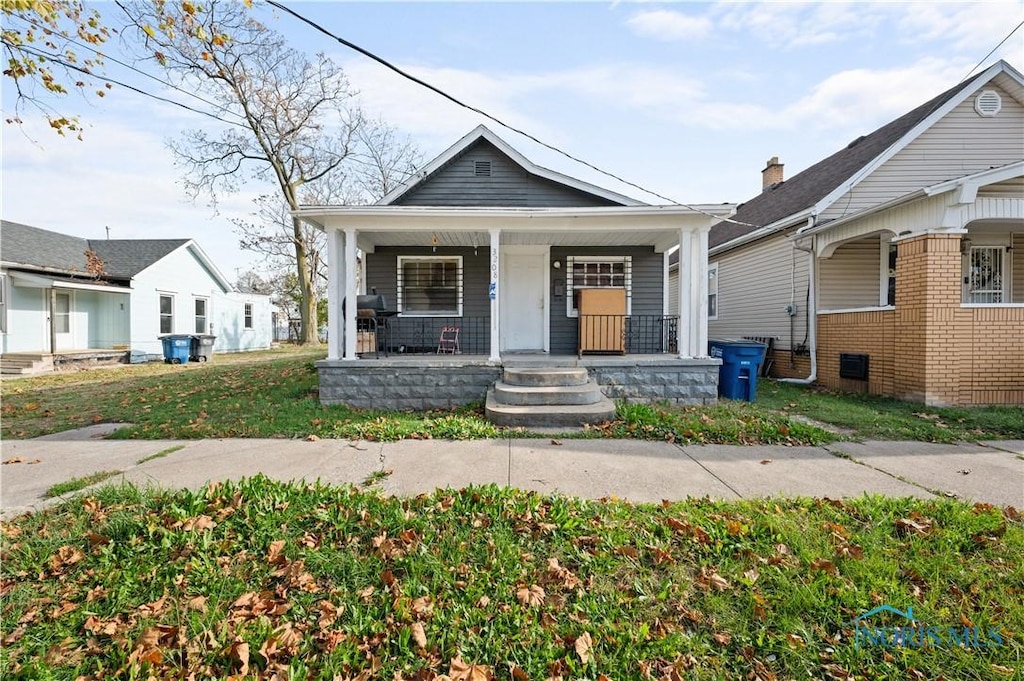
[632, 335]
[423, 335]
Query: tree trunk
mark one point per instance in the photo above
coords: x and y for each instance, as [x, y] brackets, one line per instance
[308, 333]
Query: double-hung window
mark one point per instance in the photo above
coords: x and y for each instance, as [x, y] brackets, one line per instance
[200, 304]
[247, 312]
[597, 272]
[166, 313]
[430, 286]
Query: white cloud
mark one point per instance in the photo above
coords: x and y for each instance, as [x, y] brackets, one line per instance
[966, 27]
[664, 24]
[798, 24]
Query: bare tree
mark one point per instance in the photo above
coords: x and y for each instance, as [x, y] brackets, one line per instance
[290, 120]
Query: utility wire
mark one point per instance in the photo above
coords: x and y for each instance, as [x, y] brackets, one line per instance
[57, 60]
[992, 51]
[107, 57]
[454, 100]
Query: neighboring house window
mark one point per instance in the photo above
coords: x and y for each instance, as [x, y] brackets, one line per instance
[597, 272]
[713, 291]
[248, 315]
[430, 285]
[200, 304]
[983, 278]
[3, 303]
[166, 314]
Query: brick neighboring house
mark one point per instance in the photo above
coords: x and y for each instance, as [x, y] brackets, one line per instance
[896, 265]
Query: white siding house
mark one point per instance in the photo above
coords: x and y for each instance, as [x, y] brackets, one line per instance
[65, 294]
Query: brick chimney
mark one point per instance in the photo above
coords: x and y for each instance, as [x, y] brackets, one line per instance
[772, 173]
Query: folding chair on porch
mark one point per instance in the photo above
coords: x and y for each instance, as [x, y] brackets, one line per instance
[448, 343]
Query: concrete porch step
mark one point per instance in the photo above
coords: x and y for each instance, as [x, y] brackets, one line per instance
[541, 395]
[25, 364]
[548, 416]
[546, 376]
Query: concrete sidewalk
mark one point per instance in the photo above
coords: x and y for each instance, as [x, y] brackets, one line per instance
[640, 471]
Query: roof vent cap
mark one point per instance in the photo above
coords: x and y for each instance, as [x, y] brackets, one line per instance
[988, 103]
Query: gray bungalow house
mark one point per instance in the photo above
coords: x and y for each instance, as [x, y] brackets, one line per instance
[484, 260]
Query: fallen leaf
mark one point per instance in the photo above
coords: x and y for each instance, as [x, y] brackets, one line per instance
[722, 638]
[531, 596]
[419, 635]
[16, 459]
[202, 522]
[240, 653]
[198, 604]
[718, 582]
[274, 552]
[583, 645]
[459, 670]
[795, 641]
[312, 438]
[556, 442]
[765, 462]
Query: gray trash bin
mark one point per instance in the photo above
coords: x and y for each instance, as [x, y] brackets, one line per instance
[202, 347]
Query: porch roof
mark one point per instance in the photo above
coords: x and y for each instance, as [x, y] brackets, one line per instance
[28, 280]
[470, 226]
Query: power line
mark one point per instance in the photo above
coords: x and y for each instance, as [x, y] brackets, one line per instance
[992, 51]
[454, 100]
[107, 57]
[57, 60]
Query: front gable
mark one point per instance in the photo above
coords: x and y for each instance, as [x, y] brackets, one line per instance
[481, 175]
[961, 142]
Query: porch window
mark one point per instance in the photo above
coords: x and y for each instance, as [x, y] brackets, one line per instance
[983, 276]
[247, 313]
[430, 285]
[890, 279]
[166, 314]
[713, 291]
[200, 304]
[597, 272]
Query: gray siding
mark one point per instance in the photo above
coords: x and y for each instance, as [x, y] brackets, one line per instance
[456, 184]
[382, 275]
[755, 284]
[647, 269]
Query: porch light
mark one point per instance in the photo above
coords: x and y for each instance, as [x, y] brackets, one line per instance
[557, 264]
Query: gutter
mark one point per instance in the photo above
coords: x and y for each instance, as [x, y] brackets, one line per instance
[812, 310]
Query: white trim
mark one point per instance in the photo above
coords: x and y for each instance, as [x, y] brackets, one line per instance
[350, 294]
[460, 286]
[483, 132]
[5, 301]
[206, 313]
[199, 254]
[494, 286]
[570, 260]
[878, 308]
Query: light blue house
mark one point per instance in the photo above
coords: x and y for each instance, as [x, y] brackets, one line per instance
[64, 297]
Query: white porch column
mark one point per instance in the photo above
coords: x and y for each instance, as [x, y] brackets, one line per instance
[335, 292]
[700, 348]
[685, 279]
[351, 292]
[492, 292]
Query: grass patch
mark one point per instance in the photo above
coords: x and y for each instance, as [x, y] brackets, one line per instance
[261, 578]
[273, 394]
[75, 484]
[161, 454]
[871, 417]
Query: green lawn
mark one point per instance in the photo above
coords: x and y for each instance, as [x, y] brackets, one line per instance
[310, 582]
[274, 394]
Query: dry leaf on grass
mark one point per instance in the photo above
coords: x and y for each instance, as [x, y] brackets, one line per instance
[583, 645]
[531, 596]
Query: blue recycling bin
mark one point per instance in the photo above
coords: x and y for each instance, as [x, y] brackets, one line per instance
[176, 349]
[741, 362]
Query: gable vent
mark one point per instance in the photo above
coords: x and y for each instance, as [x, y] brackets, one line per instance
[482, 168]
[988, 103]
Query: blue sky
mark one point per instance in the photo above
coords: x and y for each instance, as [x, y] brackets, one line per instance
[687, 99]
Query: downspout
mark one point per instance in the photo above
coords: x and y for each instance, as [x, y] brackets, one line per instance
[812, 310]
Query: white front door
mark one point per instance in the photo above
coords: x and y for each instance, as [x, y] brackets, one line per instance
[523, 303]
[61, 320]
